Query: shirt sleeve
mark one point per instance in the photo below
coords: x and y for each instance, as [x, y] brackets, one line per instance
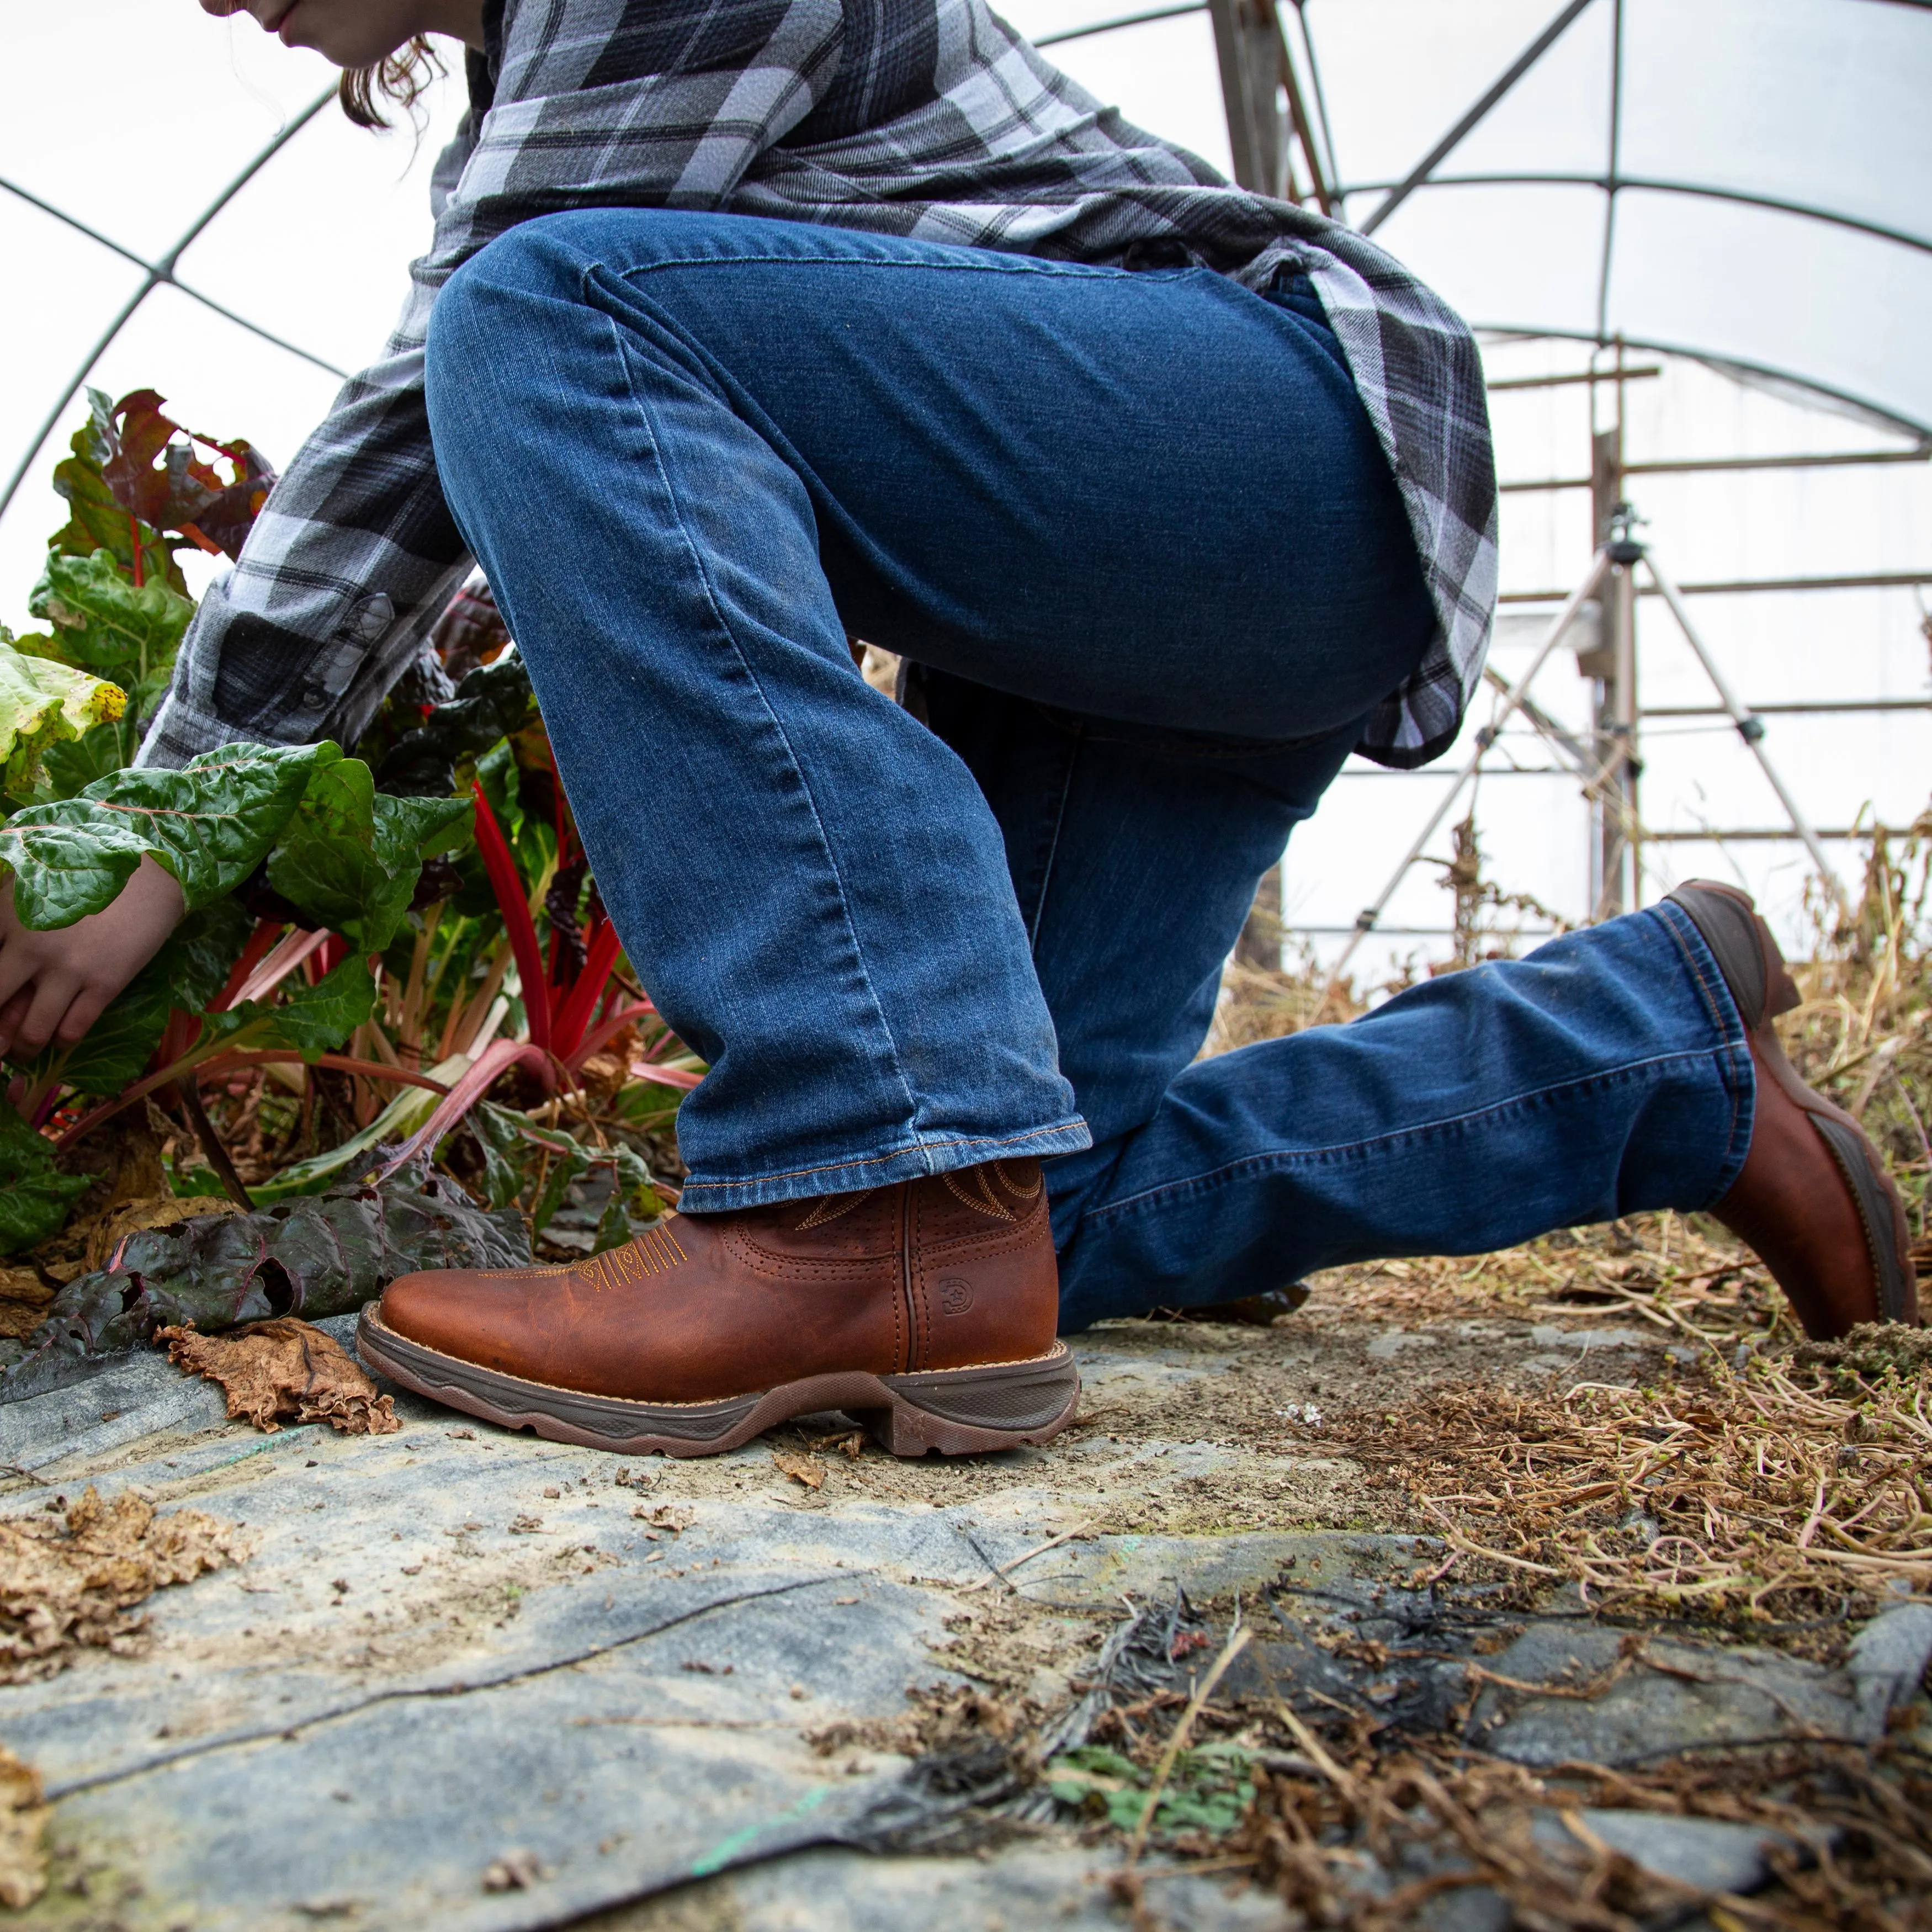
[597, 102]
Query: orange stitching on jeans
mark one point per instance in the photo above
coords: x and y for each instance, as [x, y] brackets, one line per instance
[874, 1160]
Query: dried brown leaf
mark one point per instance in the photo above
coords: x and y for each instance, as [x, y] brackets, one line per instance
[23, 1825]
[285, 1370]
[70, 1580]
[806, 1469]
[23, 1285]
[673, 1517]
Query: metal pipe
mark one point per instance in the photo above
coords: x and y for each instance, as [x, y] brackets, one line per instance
[1750, 729]
[1321, 110]
[1659, 184]
[1517, 68]
[1366, 919]
[1617, 806]
[1809, 708]
[1610, 182]
[171, 281]
[1877, 580]
[1699, 465]
[1592, 375]
[158, 273]
[1846, 459]
[1882, 412]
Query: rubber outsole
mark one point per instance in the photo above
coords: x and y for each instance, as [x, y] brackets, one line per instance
[953, 1411]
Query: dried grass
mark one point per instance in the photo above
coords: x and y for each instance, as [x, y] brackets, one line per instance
[1768, 1478]
[1770, 1493]
[1464, 1821]
[1767, 1484]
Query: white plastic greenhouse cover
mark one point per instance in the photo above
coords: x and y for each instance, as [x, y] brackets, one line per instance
[1743, 180]
[1747, 180]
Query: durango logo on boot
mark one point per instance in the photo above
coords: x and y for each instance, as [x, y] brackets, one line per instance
[955, 1296]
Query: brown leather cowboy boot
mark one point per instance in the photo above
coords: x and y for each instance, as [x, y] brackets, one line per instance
[926, 1310]
[1814, 1199]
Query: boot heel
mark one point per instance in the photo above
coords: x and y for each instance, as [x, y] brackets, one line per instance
[969, 1411]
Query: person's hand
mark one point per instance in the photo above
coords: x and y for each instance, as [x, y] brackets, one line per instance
[53, 986]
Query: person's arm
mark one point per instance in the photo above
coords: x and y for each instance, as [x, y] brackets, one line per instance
[355, 553]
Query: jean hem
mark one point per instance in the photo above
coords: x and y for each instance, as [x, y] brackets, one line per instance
[1735, 1065]
[913, 1161]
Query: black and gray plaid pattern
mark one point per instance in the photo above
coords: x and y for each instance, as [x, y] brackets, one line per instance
[929, 118]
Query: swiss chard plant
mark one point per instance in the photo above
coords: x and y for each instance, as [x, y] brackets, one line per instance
[372, 943]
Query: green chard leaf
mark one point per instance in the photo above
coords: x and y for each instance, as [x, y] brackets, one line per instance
[35, 1198]
[311, 1019]
[210, 824]
[72, 765]
[102, 624]
[351, 856]
[493, 701]
[41, 704]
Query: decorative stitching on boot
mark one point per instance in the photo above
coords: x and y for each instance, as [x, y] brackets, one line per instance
[654, 1252]
[981, 1200]
[823, 1211]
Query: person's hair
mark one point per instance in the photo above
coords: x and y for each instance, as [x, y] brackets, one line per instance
[402, 77]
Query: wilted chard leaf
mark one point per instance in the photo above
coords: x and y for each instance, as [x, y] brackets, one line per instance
[210, 824]
[41, 703]
[96, 521]
[322, 1256]
[351, 856]
[160, 479]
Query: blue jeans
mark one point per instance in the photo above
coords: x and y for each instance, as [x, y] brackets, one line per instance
[1136, 531]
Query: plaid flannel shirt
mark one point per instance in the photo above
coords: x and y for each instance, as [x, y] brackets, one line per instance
[929, 119]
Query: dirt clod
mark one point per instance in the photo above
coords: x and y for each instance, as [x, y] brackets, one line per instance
[1872, 1348]
[514, 1871]
[673, 1517]
[285, 1370]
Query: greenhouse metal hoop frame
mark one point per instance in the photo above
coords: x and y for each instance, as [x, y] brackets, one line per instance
[1267, 119]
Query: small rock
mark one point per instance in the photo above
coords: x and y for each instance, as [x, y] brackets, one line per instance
[514, 1871]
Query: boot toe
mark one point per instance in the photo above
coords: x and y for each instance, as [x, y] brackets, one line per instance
[444, 1308]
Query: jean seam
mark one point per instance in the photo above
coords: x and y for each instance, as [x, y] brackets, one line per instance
[1000, 263]
[1053, 844]
[1257, 1163]
[920, 1144]
[693, 552]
